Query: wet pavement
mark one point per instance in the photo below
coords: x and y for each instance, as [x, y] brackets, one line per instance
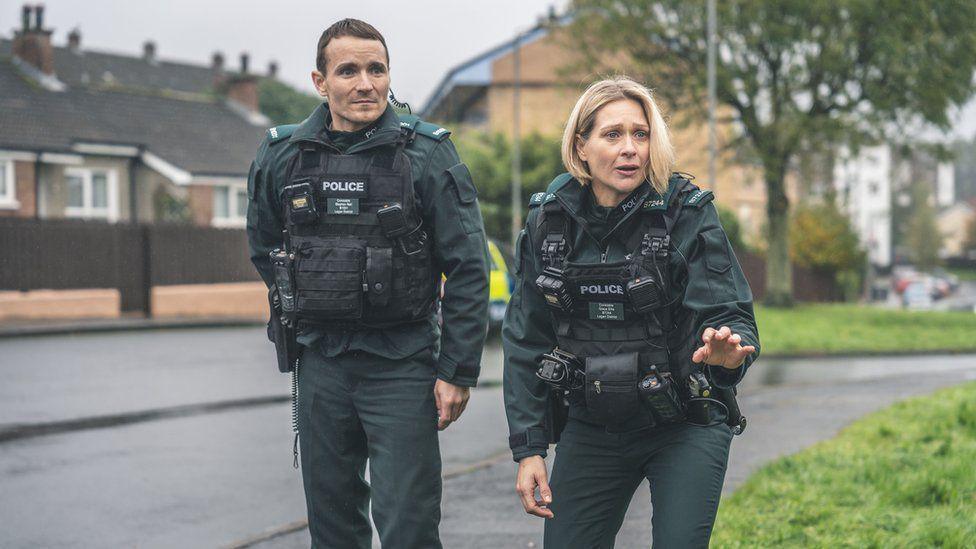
[213, 477]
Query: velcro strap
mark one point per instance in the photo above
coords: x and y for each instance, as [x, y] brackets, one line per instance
[533, 437]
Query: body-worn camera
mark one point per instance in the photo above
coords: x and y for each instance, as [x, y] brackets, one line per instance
[554, 289]
[561, 370]
[300, 200]
[658, 392]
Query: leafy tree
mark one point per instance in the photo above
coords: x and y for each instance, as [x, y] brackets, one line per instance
[793, 74]
[922, 236]
[170, 209]
[822, 238]
[489, 158]
[284, 104]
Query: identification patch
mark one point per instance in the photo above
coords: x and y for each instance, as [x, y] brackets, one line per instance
[342, 206]
[606, 311]
[345, 187]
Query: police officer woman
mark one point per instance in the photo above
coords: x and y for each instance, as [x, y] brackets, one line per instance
[631, 307]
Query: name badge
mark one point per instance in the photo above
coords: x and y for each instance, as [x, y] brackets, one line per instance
[342, 206]
[345, 187]
[606, 311]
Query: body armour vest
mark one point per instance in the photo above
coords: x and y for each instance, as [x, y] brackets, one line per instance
[359, 254]
[612, 308]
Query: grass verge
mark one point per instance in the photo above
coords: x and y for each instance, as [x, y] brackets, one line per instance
[901, 477]
[839, 329]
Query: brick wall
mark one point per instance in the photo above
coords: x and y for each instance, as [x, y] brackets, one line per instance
[26, 195]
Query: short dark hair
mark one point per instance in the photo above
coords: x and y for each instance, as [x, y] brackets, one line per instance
[347, 27]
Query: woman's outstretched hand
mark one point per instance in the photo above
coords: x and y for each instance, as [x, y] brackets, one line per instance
[532, 474]
[721, 348]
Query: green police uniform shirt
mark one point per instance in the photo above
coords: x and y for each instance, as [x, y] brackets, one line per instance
[450, 214]
[706, 280]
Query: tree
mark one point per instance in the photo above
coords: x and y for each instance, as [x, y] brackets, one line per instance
[822, 238]
[489, 158]
[733, 229]
[922, 236]
[284, 104]
[794, 74]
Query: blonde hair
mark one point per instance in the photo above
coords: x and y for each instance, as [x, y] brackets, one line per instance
[580, 124]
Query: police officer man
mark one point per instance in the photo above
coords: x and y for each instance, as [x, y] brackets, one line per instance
[353, 216]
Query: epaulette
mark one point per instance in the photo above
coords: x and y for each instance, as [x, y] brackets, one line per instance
[698, 198]
[278, 133]
[550, 194]
[432, 131]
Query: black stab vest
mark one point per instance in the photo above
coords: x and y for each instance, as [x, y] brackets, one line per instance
[361, 256]
[604, 318]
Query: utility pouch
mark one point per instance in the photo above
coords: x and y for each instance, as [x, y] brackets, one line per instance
[329, 278]
[299, 201]
[379, 275]
[611, 388]
[286, 347]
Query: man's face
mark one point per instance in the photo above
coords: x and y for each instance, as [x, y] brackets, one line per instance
[356, 82]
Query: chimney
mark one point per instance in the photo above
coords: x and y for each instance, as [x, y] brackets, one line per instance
[272, 69]
[217, 62]
[149, 51]
[33, 44]
[74, 40]
[241, 88]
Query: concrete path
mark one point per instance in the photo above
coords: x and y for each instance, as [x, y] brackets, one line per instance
[212, 476]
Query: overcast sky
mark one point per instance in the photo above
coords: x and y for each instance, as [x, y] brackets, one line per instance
[426, 37]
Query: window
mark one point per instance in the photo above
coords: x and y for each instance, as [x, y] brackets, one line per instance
[230, 206]
[8, 190]
[92, 194]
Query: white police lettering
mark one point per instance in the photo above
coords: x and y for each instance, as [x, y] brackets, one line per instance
[602, 289]
[370, 133]
[626, 206]
[694, 198]
[439, 131]
[654, 203]
[344, 186]
[274, 133]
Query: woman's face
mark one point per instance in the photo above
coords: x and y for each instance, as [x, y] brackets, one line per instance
[616, 150]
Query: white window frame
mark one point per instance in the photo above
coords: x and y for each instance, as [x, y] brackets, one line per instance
[8, 200]
[233, 220]
[87, 211]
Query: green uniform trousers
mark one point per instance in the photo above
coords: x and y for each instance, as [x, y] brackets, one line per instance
[357, 406]
[595, 475]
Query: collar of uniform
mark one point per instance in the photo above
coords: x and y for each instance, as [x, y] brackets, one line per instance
[386, 132]
[573, 198]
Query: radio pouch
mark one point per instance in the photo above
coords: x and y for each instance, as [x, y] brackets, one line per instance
[611, 388]
[379, 275]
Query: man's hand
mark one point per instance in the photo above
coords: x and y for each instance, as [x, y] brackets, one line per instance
[721, 348]
[451, 401]
[531, 474]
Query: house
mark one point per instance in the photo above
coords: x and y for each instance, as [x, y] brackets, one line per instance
[874, 187]
[954, 222]
[478, 95]
[94, 135]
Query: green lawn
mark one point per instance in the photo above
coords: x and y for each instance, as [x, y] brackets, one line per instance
[964, 274]
[838, 328]
[902, 477]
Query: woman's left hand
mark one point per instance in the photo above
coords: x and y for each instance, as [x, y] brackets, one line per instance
[721, 348]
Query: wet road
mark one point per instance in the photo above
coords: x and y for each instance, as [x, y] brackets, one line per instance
[213, 477]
